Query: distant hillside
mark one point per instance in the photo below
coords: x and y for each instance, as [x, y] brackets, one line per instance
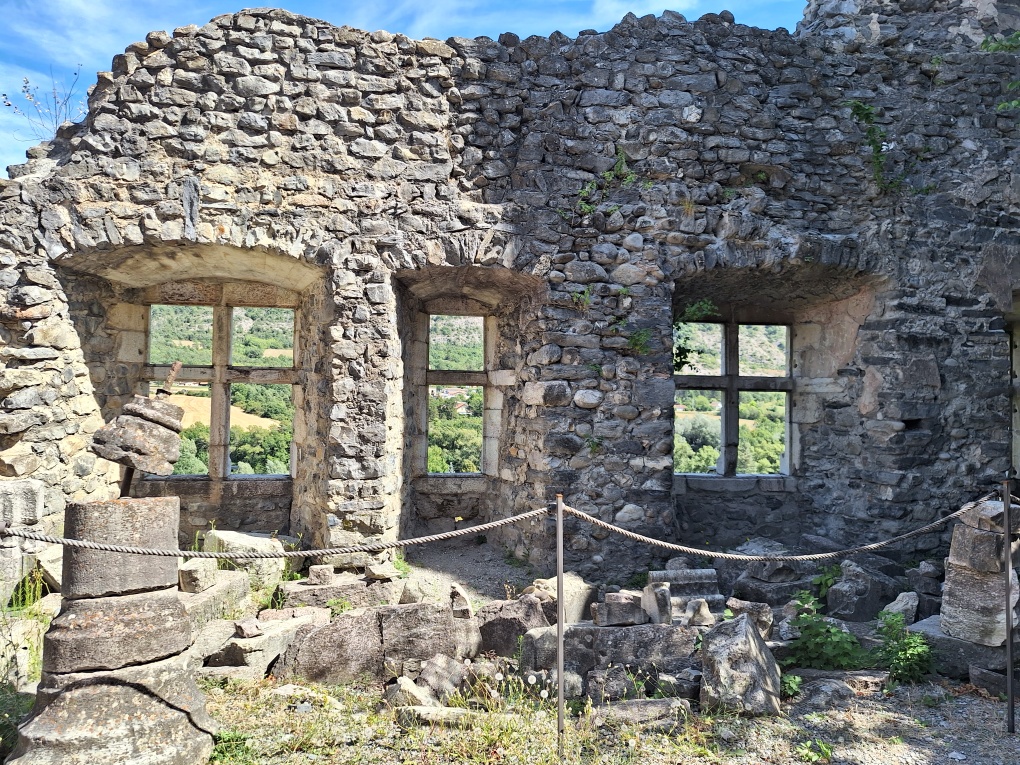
[762, 348]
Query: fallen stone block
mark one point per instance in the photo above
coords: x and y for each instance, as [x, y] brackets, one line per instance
[152, 713]
[826, 694]
[21, 639]
[739, 673]
[460, 604]
[197, 575]
[316, 616]
[444, 676]
[988, 516]
[859, 595]
[760, 613]
[748, 588]
[406, 693]
[321, 574]
[953, 656]
[259, 651]
[694, 581]
[578, 595]
[619, 609]
[114, 632]
[614, 684]
[926, 580]
[503, 623]
[860, 680]
[993, 682]
[697, 614]
[449, 717]
[209, 640]
[419, 632]
[662, 715]
[348, 588]
[229, 595]
[905, 605]
[348, 648]
[657, 603]
[50, 561]
[264, 572]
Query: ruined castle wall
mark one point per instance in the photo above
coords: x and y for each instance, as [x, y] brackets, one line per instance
[377, 175]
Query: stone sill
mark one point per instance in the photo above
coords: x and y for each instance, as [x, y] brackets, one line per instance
[451, 483]
[200, 485]
[685, 482]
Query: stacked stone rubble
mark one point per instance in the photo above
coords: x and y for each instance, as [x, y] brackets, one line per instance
[974, 600]
[115, 687]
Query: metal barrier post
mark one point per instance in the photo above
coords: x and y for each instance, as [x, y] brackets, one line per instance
[560, 726]
[1007, 526]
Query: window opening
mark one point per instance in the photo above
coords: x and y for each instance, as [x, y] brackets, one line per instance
[732, 398]
[456, 394]
[236, 386]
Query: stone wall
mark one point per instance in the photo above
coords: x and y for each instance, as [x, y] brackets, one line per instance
[380, 177]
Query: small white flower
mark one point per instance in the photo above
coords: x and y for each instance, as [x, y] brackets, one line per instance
[467, 662]
[499, 677]
[544, 694]
[494, 693]
[532, 679]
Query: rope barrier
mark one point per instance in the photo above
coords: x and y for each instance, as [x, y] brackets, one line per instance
[376, 547]
[752, 558]
[255, 554]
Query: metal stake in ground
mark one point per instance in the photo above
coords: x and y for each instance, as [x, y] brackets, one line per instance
[1007, 527]
[560, 726]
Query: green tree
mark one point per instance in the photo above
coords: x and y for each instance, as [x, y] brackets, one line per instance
[189, 463]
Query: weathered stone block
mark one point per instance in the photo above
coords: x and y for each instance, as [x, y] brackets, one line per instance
[229, 595]
[739, 673]
[152, 714]
[980, 550]
[114, 632]
[657, 603]
[954, 656]
[21, 501]
[619, 609]
[150, 523]
[503, 622]
[973, 605]
[264, 572]
[197, 575]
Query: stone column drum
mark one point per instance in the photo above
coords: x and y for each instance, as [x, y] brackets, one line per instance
[973, 599]
[115, 689]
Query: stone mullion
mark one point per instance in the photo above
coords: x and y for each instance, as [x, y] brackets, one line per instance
[219, 425]
[731, 398]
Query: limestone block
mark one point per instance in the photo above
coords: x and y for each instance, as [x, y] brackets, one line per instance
[444, 676]
[21, 501]
[346, 587]
[760, 613]
[666, 715]
[459, 602]
[503, 622]
[20, 639]
[619, 609]
[321, 574]
[406, 693]
[152, 714]
[197, 575]
[348, 648]
[859, 595]
[697, 614]
[150, 523]
[954, 656]
[773, 571]
[50, 561]
[980, 550]
[257, 652]
[690, 581]
[973, 605]
[988, 516]
[318, 616]
[138, 443]
[264, 572]
[417, 632]
[666, 647]
[774, 593]
[923, 584]
[114, 632]
[905, 604]
[612, 684]
[229, 594]
[578, 595]
[657, 603]
[739, 673]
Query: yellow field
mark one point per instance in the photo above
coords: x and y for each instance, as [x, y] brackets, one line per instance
[196, 409]
[273, 353]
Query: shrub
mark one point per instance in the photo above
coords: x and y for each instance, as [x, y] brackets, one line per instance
[822, 645]
[907, 655]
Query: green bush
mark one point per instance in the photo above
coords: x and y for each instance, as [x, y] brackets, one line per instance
[822, 645]
[907, 655]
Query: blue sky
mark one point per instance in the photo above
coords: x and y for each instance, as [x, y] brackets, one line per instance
[38, 36]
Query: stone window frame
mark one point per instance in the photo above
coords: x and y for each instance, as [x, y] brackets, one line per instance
[732, 383]
[223, 298]
[490, 379]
